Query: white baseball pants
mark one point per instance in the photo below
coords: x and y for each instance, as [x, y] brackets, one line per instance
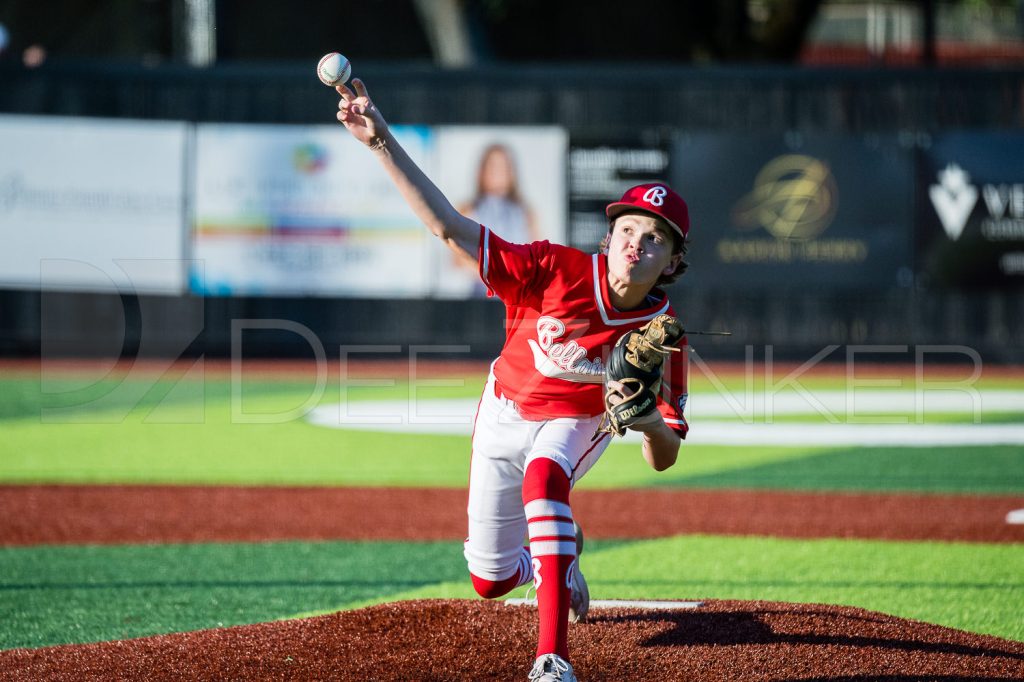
[503, 445]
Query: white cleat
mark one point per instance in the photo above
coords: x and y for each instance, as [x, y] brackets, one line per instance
[552, 668]
[579, 593]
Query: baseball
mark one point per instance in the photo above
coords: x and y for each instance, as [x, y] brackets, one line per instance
[333, 69]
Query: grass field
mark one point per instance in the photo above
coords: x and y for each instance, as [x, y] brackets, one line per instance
[141, 430]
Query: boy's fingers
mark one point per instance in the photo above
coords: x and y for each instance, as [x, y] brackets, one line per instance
[360, 87]
[345, 93]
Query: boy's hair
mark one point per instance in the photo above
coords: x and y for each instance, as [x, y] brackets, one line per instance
[679, 245]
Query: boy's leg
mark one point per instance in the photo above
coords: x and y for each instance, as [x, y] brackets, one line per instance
[498, 562]
[562, 452]
[553, 546]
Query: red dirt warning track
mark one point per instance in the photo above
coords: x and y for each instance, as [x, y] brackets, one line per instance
[145, 514]
[475, 640]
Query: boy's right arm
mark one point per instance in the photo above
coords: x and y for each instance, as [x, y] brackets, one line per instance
[365, 122]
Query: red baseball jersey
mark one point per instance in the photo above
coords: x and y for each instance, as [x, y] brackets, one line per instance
[560, 327]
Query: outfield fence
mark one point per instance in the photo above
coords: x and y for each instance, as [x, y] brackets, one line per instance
[637, 107]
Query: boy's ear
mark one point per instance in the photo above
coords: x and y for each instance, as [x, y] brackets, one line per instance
[673, 264]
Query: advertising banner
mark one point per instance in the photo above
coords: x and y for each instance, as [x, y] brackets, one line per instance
[599, 173]
[304, 211]
[797, 210]
[92, 204]
[970, 228]
[509, 178]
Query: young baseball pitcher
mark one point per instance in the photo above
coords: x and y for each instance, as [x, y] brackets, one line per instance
[549, 407]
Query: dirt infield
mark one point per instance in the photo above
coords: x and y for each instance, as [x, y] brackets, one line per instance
[147, 514]
[459, 639]
[475, 640]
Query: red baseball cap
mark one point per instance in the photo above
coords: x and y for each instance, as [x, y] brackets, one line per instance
[655, 198]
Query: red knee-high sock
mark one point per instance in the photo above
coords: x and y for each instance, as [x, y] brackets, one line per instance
[553, 546]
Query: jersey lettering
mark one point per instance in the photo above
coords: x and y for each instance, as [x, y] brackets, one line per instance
[562, 360]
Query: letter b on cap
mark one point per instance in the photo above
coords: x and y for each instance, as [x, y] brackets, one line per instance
[655, 196]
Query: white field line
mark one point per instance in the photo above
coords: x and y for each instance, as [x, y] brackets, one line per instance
[848, 406]
[747, 426]
[622, 604]
[874, 435]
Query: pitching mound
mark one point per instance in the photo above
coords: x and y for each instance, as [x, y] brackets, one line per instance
[459, 639]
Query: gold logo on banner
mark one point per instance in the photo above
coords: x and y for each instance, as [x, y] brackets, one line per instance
[794, 197]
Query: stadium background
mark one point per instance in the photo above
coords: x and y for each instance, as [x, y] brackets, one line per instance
[916, 112]
[101, 394]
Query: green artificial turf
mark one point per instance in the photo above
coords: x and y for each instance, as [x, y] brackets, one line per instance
[963, 585]
[963, 469]
[296, 453]
[77, 430]
[198, 432]
[988, 417]
[55, 595]
[969, 586]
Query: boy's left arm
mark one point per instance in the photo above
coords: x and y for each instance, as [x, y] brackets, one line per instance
[664, 433]
[661, 442]
[675, 389]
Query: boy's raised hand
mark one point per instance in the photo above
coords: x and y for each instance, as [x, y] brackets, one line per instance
[359, 115]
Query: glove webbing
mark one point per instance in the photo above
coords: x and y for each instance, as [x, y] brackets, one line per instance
[647, 353]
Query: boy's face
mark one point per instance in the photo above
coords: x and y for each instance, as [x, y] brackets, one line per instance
[640, 249]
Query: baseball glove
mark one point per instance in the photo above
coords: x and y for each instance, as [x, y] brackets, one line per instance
[636, 361]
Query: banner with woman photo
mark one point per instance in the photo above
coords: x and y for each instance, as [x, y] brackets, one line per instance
[511, 179]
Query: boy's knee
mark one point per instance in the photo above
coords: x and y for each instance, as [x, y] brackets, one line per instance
[490, 589]
[545, 479]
